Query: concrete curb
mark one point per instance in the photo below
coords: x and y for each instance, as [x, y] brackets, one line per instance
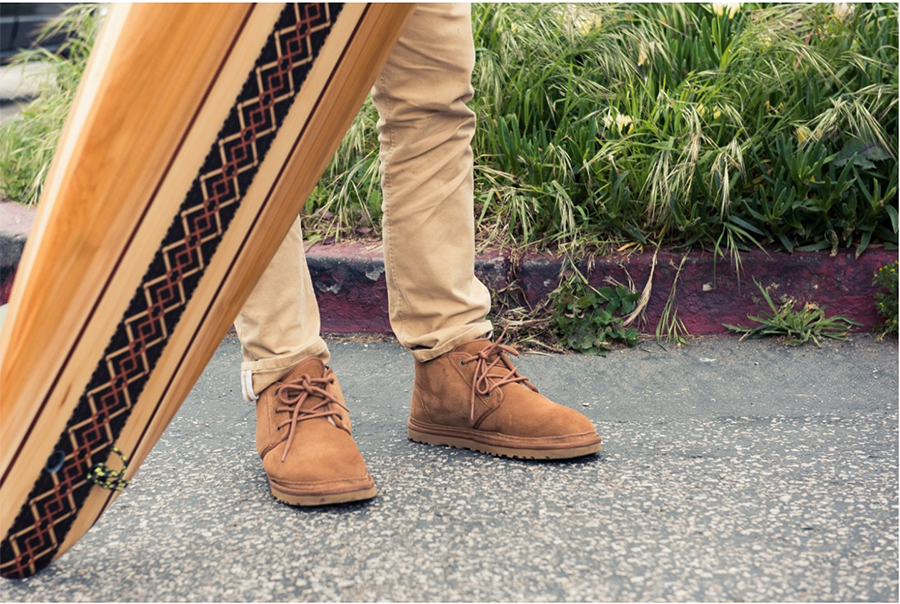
[352, 292]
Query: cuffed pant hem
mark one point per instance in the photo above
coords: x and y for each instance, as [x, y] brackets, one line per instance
[258, 375]
[475, 331]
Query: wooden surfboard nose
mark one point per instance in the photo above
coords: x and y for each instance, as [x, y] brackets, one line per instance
[197, 134]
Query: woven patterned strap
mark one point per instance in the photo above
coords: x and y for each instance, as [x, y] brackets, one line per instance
[166, 288]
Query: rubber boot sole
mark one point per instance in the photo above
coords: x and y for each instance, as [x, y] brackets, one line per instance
[500, 451]
[325, 499]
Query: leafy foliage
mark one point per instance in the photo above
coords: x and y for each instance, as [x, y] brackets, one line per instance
[886, 302]
[28, 141]
[588, 320]
[775, 124]
[768, 125]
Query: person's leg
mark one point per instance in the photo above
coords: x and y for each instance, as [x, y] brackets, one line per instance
[467, 393]
[279, 324]
[302, 425]
[425, 131]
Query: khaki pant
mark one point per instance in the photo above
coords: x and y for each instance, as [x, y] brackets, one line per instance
[425, 131]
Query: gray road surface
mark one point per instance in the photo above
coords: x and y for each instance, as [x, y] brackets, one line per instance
[730, 471]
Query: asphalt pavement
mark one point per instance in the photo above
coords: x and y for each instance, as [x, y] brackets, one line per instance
[731, 471]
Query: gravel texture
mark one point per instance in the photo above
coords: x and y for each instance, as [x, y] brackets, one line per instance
[730, 472]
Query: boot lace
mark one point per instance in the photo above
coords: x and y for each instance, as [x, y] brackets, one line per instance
[484, 382]
[293, 394]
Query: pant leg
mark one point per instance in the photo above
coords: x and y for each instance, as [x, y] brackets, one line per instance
[425, 131]
[279, 324]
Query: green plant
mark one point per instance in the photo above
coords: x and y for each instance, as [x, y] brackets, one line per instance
[28, 141]
[588, 319]
[605, 124]
[670, 326]
[795, 326]
[601, 124]
[886, 302]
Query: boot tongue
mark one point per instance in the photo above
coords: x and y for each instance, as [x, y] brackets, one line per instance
[313, 367]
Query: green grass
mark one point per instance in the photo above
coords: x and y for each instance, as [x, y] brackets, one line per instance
[28, 141]
[796, 327]
[616, 123]
[626, 125]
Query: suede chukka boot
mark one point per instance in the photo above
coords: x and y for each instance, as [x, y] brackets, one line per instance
[303, 436]
[473, 397]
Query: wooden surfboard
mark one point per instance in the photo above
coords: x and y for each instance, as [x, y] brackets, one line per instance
[196, 137]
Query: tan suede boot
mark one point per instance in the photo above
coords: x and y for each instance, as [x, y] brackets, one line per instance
[303, 437]
[474, 398]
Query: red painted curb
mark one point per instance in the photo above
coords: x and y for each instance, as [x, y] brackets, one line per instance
[350, 287]
[352, 293]
[709, 292]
